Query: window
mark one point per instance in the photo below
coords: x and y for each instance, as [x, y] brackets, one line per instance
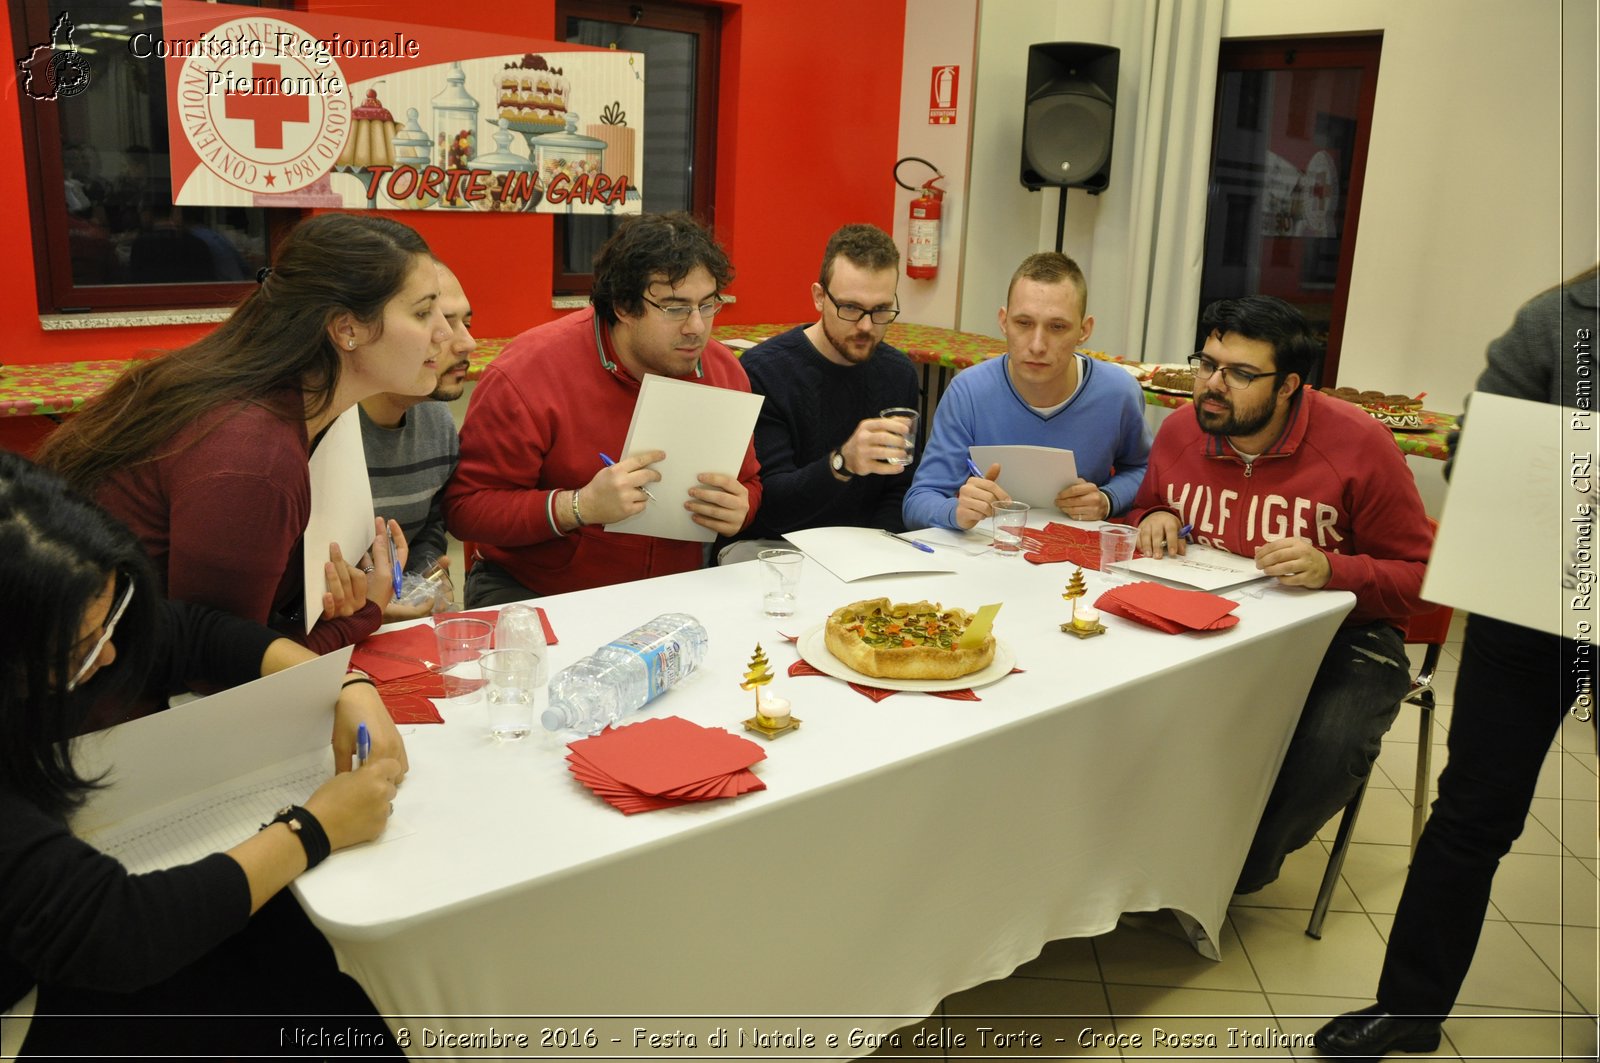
[1288, 156]
[107, 236]
[680, 46]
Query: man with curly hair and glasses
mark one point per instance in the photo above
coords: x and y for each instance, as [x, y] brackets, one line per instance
[532, 489]
[1318, 494]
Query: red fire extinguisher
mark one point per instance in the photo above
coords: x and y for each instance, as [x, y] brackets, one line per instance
[922, 256]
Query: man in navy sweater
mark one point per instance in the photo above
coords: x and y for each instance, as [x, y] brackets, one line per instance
[827, 458]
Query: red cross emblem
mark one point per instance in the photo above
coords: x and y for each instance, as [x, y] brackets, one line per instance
[268, 112]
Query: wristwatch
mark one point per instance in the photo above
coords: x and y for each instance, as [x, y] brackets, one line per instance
[836, 463]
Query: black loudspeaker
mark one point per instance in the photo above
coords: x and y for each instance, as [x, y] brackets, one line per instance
[1069, 114]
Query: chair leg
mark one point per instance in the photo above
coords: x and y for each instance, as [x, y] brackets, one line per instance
[1330, 877]
[1419, 797]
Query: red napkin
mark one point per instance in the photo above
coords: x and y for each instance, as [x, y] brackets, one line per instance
[1067, 542]
[663, 762]
[410, 650]
[1169, 609]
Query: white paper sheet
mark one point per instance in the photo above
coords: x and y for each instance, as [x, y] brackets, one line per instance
[341, 507]
[856, 553]
[188, 749]
[702, 429]
[1200, 566]
[1516, 536]
[1035, 475]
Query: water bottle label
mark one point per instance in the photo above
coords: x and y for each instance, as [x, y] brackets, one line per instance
[661, 662]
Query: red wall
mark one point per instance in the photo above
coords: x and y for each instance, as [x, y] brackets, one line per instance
[806, 135]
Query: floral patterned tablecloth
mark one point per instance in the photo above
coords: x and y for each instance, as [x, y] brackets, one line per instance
[63, 387]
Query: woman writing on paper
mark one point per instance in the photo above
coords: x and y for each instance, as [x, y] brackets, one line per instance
[101, 945]
[203, 452]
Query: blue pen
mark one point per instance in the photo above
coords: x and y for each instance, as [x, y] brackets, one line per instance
[919, 544]
[606, 458]
[363, 745]
[395, 558]
[1183, 532]
[973, 469]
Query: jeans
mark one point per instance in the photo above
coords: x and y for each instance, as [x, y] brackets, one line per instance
[1353, 700]
[489, 584]
[1515, 685]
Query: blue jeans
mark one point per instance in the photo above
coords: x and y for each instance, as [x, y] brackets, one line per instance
[1353, 700]
[1515, 685]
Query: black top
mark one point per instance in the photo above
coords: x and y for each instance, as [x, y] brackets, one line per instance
[72, 916]
[812, 406]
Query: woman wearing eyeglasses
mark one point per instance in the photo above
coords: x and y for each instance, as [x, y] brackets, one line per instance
[93, 939]
[204, 452]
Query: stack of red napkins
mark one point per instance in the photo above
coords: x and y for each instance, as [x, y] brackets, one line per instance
[1065, 542]
[401, 664]
[1169, 609]
[664, 762]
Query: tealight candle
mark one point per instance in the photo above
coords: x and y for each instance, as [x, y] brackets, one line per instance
[1084, 617]
[775, 709]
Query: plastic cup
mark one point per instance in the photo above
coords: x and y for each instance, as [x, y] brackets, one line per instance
[513, 688]
[780, 580]
[518, 628]
[1116, 544]
[1010, 521]
[462, 641]
[911, 418]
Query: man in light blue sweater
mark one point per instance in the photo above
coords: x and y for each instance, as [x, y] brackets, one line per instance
[1042, 393]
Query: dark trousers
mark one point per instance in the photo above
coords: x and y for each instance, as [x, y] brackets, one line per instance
[489, 584]
[1514, 687]
[272, 991]
[1353, 700]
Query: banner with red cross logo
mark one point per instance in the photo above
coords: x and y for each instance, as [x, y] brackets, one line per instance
[284, 108]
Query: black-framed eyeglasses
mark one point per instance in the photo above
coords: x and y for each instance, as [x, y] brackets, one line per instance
[852, 313]
[680, 311]
[105, 635]
[1234, 377]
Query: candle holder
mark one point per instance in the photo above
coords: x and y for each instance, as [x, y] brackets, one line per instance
[1085, 622]
[772, 716]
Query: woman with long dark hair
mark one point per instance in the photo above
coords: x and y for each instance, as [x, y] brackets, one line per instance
[87, 622]
[203, 451]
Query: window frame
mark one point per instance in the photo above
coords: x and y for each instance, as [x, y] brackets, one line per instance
[45, 170]
[1363, 51]
[705, 22]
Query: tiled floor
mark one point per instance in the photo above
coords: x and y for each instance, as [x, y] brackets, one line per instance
[1531, 993]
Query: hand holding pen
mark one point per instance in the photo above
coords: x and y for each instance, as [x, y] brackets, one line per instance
[616, 492]
[976, 498]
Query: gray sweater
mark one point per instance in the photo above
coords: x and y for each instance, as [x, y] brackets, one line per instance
[408, 467]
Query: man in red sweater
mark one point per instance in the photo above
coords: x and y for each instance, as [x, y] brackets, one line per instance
[532, 489]
[1317, 492]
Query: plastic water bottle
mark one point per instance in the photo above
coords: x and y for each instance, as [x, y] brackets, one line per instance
[623, 676]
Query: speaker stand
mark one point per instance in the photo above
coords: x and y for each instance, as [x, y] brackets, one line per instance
[1061, 218]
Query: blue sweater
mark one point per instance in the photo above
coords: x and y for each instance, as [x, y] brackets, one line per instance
[1102, 424]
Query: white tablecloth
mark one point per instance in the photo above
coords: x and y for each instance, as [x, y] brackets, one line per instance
[903, 850]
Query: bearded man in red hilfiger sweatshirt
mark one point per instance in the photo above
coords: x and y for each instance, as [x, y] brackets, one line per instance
[1317, 492]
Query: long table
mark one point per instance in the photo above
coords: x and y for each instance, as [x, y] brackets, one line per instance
[902, 850]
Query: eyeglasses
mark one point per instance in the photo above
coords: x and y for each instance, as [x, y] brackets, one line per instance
[105, 636]
[852, 313]
[680, 311]
[1234, 377]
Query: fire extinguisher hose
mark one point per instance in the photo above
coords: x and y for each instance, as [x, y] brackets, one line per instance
[937, 176]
